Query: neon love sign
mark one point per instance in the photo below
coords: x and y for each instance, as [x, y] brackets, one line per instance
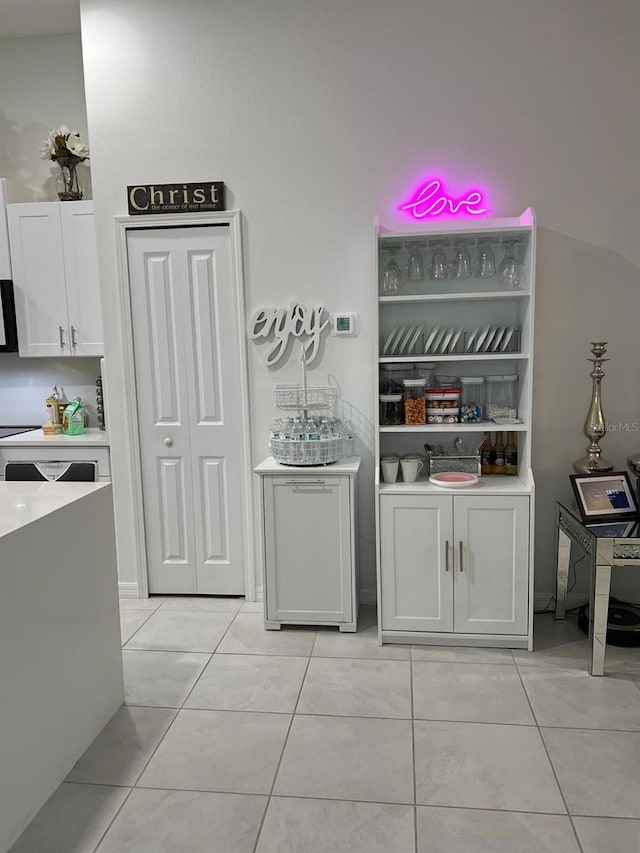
[431, 200]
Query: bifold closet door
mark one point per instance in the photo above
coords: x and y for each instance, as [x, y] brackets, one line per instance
[185, 328]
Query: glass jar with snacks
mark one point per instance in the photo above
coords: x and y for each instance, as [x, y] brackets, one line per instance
[501, 398]
[443, 405]
[471, 399]
[414, 402]
[391, 410]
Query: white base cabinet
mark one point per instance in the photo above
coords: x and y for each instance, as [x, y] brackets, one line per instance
[456, 564]
[55, 273]
[308, 517]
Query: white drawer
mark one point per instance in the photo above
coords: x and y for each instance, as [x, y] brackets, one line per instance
[57, 454]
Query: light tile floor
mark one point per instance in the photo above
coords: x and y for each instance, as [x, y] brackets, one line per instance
[237, 740]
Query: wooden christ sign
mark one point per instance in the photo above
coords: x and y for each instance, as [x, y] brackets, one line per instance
[175, 198]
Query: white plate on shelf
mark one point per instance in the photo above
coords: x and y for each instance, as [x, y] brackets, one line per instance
[454, 340]
[506, 338]
[435, 346]
[480, 338]
[414, 339]
[487, 346]
[404, 339]
[454, 480]
[446, 340]
[393, 346]
[434, 332]
[493, 340]
[387, 343]
[470, 340]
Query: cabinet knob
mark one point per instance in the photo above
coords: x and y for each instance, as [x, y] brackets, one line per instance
[168, 441]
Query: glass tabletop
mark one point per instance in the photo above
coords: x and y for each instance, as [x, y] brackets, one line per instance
[614, 528]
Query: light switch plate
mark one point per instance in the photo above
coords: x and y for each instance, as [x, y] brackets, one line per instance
[344, 324]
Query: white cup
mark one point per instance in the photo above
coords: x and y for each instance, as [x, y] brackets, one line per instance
[389, 470]
[410, 469]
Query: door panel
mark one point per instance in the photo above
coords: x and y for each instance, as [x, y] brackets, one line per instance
[189, 405]
[417, 586]
[308, 549]
[81, 269]
[39, 278]
[492, 590]
[213, 489]
[171, 490]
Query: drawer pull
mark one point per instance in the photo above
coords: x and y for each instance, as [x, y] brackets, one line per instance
[461, 557]
[61, 334]
[305, 482]
[446, 555]
[74, 337]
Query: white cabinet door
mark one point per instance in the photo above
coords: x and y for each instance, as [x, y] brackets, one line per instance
[81, 272]
[307, 528]
[491, 564]
[189, 408]
[35, 235]
[55, 273]
[416, 538]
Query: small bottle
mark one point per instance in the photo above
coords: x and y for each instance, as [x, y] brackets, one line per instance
[486, 455]
[511, 455]
[62, 403]
[498, 461]
[52, 409]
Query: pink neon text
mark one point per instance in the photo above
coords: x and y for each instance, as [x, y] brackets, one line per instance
[425, 204]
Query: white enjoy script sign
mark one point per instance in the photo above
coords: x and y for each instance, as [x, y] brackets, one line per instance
[284, 323]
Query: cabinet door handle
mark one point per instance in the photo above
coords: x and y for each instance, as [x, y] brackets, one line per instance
[446, 555]
[61, 334]
[74, 337]
[461, 556]
[304, 482]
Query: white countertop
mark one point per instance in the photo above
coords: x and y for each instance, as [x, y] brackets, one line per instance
[23, 503]
[347, 465]
[36, 438]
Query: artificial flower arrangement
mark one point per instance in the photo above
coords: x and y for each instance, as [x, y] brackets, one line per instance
[66, 148]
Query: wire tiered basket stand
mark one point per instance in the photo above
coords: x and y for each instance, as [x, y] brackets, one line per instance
[308, 439]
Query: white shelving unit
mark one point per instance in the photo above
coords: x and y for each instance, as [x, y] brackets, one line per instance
[455, 567]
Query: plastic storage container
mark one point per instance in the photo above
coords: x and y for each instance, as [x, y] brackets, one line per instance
[392, 376]
[471, 399]
[501, 398]
[443, 405]
[391, 410]
[425, 372]
[415, 409]
[446, 381]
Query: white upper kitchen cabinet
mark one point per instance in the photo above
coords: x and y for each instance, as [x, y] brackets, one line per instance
[55, 275]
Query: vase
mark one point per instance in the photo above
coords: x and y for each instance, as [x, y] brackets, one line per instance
[68, 184]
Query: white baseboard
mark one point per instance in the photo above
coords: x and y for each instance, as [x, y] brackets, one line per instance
[128, 589]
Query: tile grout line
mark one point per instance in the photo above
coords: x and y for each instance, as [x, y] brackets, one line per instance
[123, 643]
[551, 764]
[284, 745]
[111, 822]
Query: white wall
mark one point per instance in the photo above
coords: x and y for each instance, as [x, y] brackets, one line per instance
[319, 116]
[42, 87]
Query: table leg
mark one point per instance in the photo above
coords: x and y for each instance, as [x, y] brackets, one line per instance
[563, 560]
[598, 616]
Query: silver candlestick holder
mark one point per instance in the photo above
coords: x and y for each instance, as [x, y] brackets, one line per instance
[595, 426]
